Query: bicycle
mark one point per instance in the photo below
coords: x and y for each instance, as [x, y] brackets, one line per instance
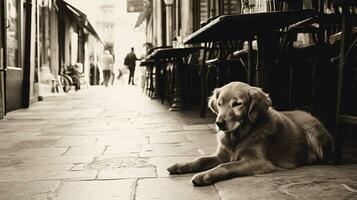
[66, 82]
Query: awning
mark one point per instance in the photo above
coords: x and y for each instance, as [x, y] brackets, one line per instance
[66, 9]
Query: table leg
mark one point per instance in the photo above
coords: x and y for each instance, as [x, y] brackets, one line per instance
[249, 62]
[151, 80]
[204, 95]
[177, 102]
[156, 87]
[267, 54]
[271, 76]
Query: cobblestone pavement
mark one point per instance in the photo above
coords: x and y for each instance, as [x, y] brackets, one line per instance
[116, 143]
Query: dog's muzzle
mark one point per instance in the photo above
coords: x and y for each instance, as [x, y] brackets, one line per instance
[226, 127]
[221, 124]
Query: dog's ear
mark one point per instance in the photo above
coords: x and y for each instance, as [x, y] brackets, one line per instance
[259, 104]
[212, 102]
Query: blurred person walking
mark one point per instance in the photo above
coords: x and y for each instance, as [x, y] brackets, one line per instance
[129, 61]
[107, 61]
[94, 71]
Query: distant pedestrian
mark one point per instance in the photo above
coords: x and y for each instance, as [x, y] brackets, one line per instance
[107, 66]
[129, 61]
[94, 71]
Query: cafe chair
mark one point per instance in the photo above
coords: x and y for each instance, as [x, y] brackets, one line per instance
[151, 84]
[168, 86]
[191, 84]
[221, 67]
[208, 74]
[246, 59]
[301, 55]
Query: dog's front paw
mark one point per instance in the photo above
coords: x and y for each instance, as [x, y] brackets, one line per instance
[202, 179]
[179, 168]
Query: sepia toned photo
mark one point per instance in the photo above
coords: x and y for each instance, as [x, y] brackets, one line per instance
[178, 99]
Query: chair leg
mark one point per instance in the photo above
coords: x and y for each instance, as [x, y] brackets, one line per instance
[338, 149]
[203, 93]
[338, 136]
[162, 86]
[314, 86]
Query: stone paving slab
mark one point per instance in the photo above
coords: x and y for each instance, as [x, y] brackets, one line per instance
[32, 152]
[85, 151]
[67, 141]
[126, 149]
[96, 190]
[312, 182]
[159, 150]
[168, 138]
[7, 144]
[19, 174]
[173, 189]
[195, 127]
[16, 136]
[121, 139]
[55, 160]
[162, 163]
[28, 190]
[113, 162]
[48, 167]
[37, 142]
[121, 173]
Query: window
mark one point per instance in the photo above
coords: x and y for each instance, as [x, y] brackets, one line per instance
[231, 6]
[211, 8]
[13, 34]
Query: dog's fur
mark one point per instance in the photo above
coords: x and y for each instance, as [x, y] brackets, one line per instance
[254, 138]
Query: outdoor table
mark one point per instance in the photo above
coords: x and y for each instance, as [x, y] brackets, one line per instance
[177, 54]
[240, 26]
[146, 62]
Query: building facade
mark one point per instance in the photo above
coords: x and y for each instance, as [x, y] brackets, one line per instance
[106, 24]
[173, 20]
[37, 40]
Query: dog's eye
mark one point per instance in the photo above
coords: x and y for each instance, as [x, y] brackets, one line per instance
[219, 104]
[236, 103]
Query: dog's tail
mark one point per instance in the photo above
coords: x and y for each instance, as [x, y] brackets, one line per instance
[320, 142]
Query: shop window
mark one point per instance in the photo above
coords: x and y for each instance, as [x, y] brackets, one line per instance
[231, 6]
[211, 8]
[13, 33]
[204, 10]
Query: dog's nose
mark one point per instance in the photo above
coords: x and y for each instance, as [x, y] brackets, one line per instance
[221, 124]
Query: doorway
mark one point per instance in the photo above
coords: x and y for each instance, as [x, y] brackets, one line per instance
[13, 48]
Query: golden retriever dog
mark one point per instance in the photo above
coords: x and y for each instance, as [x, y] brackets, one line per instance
[255, 138]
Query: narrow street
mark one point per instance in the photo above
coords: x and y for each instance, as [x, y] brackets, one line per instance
[116, 143]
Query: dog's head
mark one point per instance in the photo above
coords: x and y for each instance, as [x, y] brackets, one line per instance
[237, 103]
